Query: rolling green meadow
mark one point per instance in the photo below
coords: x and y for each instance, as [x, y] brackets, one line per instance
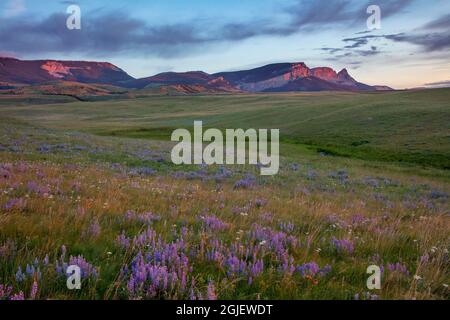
[364, 180]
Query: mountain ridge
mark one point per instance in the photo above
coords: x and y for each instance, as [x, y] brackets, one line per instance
[277, 77]
[40, 71]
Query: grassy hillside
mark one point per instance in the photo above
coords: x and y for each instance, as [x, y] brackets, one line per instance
[92, 184]
[411, 127]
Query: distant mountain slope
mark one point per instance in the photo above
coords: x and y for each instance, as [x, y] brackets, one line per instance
[77, 90]
[39, 71]
[279, 77]
[170, 78]
[193, 82]
[293, 77]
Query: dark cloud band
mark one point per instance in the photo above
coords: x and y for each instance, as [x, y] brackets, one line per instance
[118, 33]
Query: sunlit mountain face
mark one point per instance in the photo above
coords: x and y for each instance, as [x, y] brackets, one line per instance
[281, 77]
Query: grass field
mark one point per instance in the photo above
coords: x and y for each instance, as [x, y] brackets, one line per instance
[396, 126]
[364, 180]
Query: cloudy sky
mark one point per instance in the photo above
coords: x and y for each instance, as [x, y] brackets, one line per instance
[145, 37]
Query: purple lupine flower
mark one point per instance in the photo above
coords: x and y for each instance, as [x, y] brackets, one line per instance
[424, 258]
[340, 175]
[124, 271]
[94, 230]
[276, 241]
[30, 270]
[145, 238]
[34, 187]
[87, 269]
[287, 265]
[5, 174]
[146, 217]
[183, 280]
[436, 194]
[76, 186]
[260, 202]
[184, 231]
[370, 181]
[129, 215]
[6, 249]
[343, 245]
[192, 296]
[20, 276]
[246, 183]
[287, 227]
[359, 219]
[370, 296]
[241, 210]
[5, 292]
[162, 270]
[63, 251]
[376, 259]
[312, 269]
[257, 268]
[311, 174]
[131, 286]
[123, 241]
[211, 292]
[20, 296]
[22, 167]
[143, 171]
[214, 224]
[16, 203]
[34, 291]
[233, 265]
[308, 269]
[325, 270]
[61, 268]
[398, 267]
[267, 217]
[240, 267]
